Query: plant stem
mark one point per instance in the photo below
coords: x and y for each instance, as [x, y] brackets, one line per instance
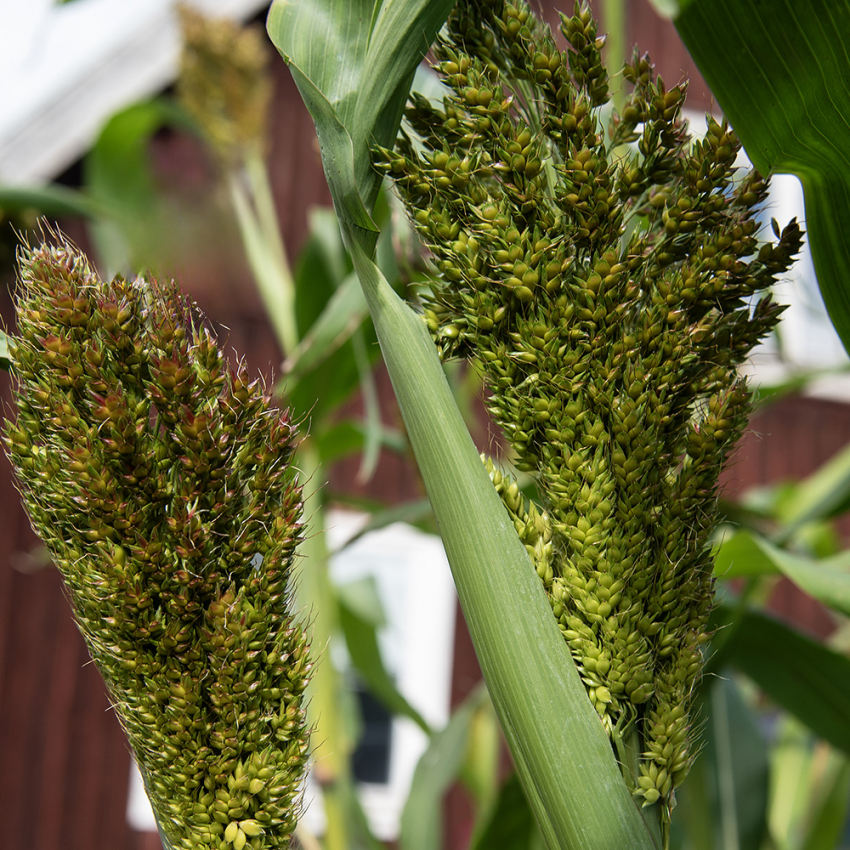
[333, 748]
[252, 202]
[614, 19]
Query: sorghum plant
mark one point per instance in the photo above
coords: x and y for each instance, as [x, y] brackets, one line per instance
[610, 283]
[160, 480]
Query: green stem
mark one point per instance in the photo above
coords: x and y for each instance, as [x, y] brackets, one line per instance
[614, 19]
[332, 748]
[264, 250]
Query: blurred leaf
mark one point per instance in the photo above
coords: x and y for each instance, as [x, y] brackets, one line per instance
[360, 615]
[51, 201]
[827, 580]
[4, 350]
[740, 556]
[792, 782]
[324, 306]
[830, 818]
[321, 269]
[825, 493]
[343, 313]
[321, 392]
[346, 438]
[118, 175]
[421, 820]
[667, 8]
[373, 428]
[803, 676]
[723, 804]
[409, 512]
[512, 825]
[779, 72]
[810, 790]
[737, 752]
[767, 394]
[479, 772]
[362, 599]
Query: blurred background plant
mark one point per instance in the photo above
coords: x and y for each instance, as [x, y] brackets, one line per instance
[774, 770]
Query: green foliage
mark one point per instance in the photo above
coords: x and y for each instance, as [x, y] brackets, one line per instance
[562, 755]
[806, 678]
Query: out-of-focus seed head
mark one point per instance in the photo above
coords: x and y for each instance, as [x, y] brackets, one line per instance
[224, 82]
[159, 479]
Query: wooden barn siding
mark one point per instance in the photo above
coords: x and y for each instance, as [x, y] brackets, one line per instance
[63, 759]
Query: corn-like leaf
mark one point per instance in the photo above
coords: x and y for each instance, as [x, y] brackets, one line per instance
[748, 554]
[779, 71]
[803, 676]
[353, 62]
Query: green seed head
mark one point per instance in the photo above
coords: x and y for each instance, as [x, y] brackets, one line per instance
[616, 282]
[159, 479]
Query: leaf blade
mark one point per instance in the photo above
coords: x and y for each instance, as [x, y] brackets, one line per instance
[778, 71]
[548, 721]
[803, 676]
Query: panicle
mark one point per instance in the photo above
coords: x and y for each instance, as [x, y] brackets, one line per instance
[224, 82]
[610, 280]
[160, 480]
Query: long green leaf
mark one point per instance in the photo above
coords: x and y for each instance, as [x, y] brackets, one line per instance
[53, 200]
[803, 676]
[827, 580]
[561, 751]
[779, 71]
[342, 315]
[421, 824]
[512, 825]
[830, 818]
[820, 496]
[361, 638]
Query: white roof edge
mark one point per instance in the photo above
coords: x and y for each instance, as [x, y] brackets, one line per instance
[58, 125]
